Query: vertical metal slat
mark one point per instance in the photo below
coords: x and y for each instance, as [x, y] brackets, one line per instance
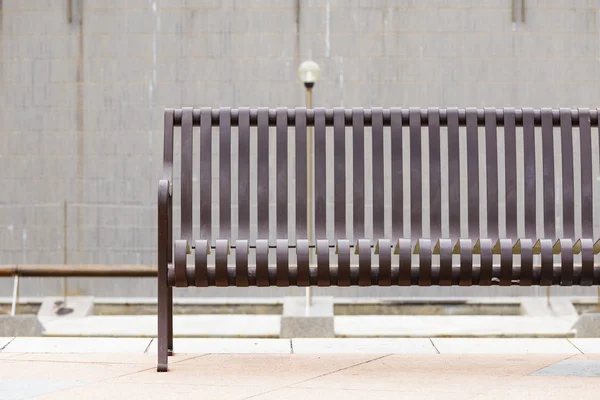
[548, 168]
[473, 172]
[301, 174]
[416, 210]
[491, 159]
[530, 175]
[282, 174]
[568, 180]
[205, 174]
[397, 180]
[510, 168]
[262, 172]
[435, 174]
[358, 180]
[187, 166]
[320, 175]
[244, 174]
[225, 172]
[453, 173]
[339, 168]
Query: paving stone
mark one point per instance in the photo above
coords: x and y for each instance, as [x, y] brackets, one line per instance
[237, 346]
[571, 368]
[504, 346]
[16, 389]
[363, 346]
[77, 345]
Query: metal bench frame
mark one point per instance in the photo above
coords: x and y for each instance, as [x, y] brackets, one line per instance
[556, 253]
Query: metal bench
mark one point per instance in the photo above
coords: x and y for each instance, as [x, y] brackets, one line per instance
[396, 200]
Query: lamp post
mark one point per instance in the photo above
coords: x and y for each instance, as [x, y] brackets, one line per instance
[309, 72]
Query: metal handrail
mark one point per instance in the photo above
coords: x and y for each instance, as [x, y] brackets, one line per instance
[72, 271]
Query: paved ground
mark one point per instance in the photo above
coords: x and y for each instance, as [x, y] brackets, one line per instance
[99, 368]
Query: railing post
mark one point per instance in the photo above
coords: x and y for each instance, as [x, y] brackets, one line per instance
[15, 297]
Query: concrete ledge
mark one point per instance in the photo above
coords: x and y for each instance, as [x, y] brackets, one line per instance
[314, 322]
[587, 326]
[20, 325]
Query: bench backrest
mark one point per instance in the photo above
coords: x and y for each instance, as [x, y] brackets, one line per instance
[385, 173]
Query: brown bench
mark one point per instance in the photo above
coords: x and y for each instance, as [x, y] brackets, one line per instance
[471, 229]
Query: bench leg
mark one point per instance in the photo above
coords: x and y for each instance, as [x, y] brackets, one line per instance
[165, 298]
[170, 319]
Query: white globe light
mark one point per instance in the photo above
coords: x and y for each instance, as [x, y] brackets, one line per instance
[309, 72]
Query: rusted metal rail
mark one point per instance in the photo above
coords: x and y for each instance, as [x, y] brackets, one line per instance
[17, 271]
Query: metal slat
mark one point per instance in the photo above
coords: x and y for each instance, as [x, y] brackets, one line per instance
[510, 172]
[526, 252]
[435, 174]
[339, 169]
[282, 270]
[187, 165]
[491, 159]
[416, 210]
[168, 146]
[221, 257]
[403, 250]
[587, 183]
[384, 250]
[445, 252]
[320, 175]
[323, 270]
[282, 173]
[473, 172]
[225, 172]
[201, 251]
[303, 268]
[530, 175]
[568, 180]
[548, 183]
[358, 175]
[262, 172]
[205, 174]
[396, 174]
[241, 263]
[453, 173]
[343, 254]
[378, 176]
[244, 173]
[301, 174]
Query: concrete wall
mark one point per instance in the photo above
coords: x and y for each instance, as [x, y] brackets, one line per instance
[82, 95]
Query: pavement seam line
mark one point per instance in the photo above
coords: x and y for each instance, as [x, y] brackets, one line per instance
[316, 377]
[9, 342]
[574, 345]
[434, 346]
[148, 347]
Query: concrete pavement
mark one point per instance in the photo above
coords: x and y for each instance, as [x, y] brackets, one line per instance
[64, 368]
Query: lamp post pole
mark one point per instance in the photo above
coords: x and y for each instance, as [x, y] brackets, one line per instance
[309, 72]
[309, 189]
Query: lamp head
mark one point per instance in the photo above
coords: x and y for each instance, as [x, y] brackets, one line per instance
[309, 72]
